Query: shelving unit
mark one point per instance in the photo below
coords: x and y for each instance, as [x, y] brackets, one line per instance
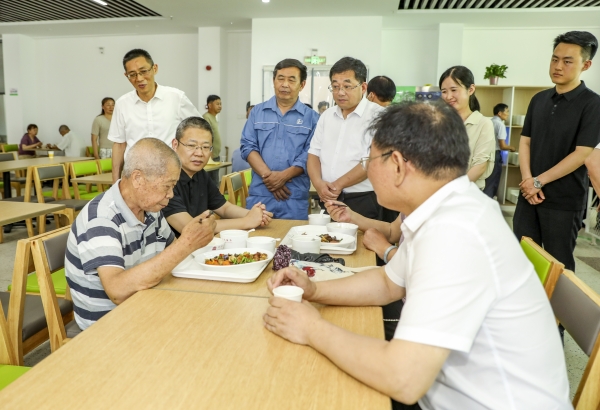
[517, 98]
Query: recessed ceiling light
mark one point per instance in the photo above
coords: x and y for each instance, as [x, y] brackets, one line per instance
[266, 1]
[102, 3]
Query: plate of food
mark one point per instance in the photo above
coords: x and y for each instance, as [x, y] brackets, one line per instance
[336, 240]
[234, 260]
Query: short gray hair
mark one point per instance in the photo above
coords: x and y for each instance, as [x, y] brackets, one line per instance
[192, 122]
[151, 156]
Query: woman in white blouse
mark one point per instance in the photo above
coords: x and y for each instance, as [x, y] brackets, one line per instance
[458, 90]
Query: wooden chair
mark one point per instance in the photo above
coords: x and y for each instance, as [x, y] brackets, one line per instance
[546, 266]
[84, 168]
[14, 182]
[49, 256]
[577, 307]
[57, 174]
[232, 188]
[105, 165]
[9, 365]
[13, 148]
[26, 317]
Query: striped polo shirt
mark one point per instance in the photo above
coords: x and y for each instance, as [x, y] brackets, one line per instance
[107, 233]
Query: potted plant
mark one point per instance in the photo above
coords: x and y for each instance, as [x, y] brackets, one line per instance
[494, 72]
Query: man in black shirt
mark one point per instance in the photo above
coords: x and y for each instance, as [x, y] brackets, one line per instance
[561, 129]
[195, 191]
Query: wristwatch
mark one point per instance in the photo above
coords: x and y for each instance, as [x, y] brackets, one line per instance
[537, 184]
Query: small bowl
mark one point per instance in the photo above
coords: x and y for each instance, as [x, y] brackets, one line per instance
[234, 238]
[306, 244]
[342, 227]
[319, 219]
[216, 244]
[262, 242]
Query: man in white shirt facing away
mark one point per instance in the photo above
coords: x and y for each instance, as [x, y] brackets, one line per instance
[477, 330]
[149, 111]
[341, 140]
[69, 143]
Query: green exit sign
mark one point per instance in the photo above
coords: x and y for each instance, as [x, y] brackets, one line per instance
[315, 60]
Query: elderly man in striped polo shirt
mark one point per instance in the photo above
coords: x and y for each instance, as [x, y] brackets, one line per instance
[121, 243]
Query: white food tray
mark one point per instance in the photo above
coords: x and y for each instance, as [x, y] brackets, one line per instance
[189, 268]
[318, 230]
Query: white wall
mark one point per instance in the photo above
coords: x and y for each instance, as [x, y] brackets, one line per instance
[64, 79]
[334, 37]
[209, 54]
[409, 56]
[237, 47]
[526, 52]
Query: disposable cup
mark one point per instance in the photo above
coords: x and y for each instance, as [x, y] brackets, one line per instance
[288, 292]
[50, 154]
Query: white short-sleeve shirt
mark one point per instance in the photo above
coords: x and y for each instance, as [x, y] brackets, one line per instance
[471, 289]
[341, 143]
[71, 144]
[134, 119]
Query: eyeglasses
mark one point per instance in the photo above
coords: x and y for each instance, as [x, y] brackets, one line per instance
[364, 161]
[143, 73]
[190, 148]
[347, 88]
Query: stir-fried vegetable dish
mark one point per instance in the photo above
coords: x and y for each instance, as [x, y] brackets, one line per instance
[225, 259]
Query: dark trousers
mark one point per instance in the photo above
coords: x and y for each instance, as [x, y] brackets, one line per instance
[365, 203]
[493, 181]
[554, 229]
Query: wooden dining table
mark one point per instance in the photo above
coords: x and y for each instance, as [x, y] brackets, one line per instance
[184, 350]
[278, 228]
[7, 166]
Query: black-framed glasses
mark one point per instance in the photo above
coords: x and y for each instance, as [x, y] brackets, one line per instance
[190, 147]
[347, 88]
[143, 73]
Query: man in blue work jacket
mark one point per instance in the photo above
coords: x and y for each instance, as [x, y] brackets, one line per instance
[275, 142]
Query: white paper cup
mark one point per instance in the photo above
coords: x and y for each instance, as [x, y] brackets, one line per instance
[293, 293]
[234, 238]
[262, 242]
[306, 244]
[50, 154]
[318, 219]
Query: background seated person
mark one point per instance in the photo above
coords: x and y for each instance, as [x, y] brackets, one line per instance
[120, 242]
[69, 143]
[195, 191]
[471, 293]
[29, 142]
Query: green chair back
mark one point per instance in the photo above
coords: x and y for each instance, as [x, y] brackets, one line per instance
[248, 176]
[9, 374]
[58, 280]
[85, 168]
[10, 147]
[89, 151]
[540, 263]
[105, 165]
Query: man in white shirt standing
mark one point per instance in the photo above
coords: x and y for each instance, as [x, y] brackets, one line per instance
[69, 143]
[501, 113]
[471, 293]
[149, 111]
[341, 140]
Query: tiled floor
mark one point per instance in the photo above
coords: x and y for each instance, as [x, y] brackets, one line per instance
[575, 358]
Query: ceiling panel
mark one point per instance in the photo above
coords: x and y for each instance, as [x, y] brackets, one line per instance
[13, 11]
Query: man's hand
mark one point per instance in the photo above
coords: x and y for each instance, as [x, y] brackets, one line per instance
[292, 276]
[282, 193]
[266, 215]
[199, 231]
[274, 180]
[375, 241]
[291, 320]
[257, 216]
[536, 199]
[338, 211]
[528, 190]
[326, 190]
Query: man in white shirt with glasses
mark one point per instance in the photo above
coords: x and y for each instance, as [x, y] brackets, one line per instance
[149, 111]
[341, 140]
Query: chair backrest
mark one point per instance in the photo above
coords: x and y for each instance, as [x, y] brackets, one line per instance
[233, 185]
[82, 168]
[10, 147]
[60, 154]
[577, 307]
[546, 266]
[105, 165]
[48, 173]
[48, 256]
[16, 309]
[89, 151]
[7, 156]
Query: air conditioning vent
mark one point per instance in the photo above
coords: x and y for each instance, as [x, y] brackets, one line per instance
[492, 4]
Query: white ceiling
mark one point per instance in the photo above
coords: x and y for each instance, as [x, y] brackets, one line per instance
[187, 15]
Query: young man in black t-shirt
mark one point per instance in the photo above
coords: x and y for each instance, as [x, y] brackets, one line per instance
[561, 129]
[195, 191]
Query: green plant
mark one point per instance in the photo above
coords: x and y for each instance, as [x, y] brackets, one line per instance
[495, 70]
